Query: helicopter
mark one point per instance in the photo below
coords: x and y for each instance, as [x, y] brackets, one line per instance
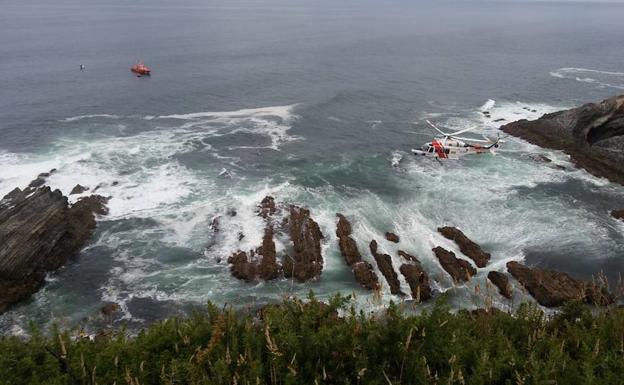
[452, 146]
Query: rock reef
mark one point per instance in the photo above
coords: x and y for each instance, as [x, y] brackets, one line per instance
[501, 281]
[460, 270]
[593, 135]
[466, 246]
[39, 232]
[362, 270]
[303, 262]
[417, 279]
[553, 288]
[384, 263]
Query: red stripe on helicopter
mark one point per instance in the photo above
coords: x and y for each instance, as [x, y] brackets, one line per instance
[438, 149]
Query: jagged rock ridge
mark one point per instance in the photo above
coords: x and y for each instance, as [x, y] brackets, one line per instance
[39, 232]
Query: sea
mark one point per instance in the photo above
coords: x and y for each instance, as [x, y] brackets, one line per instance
[317, 103]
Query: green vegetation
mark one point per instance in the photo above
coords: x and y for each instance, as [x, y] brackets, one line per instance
[309, 342]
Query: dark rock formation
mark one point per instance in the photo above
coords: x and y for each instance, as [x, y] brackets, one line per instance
[407, 257]
[39, 232]
[348, 247]
[384, 263]
[459, 269]
[78, 189]
[468, 247]
[268, 268]
[418, 281]
[306, 261]
[552, 288]
[591, 134]
[242, 267]
[109, 309]
[249, 267]
[392, 237]
[267, 207]
[618, 214]
[41, 179]
[365, 275]
[363, 271]
[501, 281]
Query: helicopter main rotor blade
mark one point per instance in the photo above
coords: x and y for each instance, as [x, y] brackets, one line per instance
[436, 128]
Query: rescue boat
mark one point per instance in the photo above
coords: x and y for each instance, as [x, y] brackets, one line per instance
[140, 68]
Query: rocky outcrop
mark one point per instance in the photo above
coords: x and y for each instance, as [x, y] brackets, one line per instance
[268, 268]
[416, 277]
[267, 207]
[306, 260]
[363, 271]
[260, 264]
[552, 288]
[41, 179]
[39, 232]
[618, 214]
[417, 280]
[501, 281]
[593, 135]
[460, 270]
[78, 189]
[408, 257]
[392, 237]
[242, 267]
[384, 263]
[467, 247]
[347, 245]
[365, 275]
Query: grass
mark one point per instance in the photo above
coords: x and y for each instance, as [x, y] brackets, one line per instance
[310, 342]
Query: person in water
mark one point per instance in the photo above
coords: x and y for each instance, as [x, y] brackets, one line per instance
[82, 67]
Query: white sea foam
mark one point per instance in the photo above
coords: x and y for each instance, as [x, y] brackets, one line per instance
[91, 116]
[488, 105]
[602, 79]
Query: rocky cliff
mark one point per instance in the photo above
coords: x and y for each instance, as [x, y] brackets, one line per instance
[39, 231]
[593, 135]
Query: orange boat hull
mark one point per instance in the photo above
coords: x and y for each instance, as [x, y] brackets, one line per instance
[141, 70]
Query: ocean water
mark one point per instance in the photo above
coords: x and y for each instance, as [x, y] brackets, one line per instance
[317, 103]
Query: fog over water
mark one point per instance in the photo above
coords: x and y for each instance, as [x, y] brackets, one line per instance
[312, 102]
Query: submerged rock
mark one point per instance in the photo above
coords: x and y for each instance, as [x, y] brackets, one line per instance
[501, 281]
[109, 309]
[392, 237]
[384, 263]
[39, 232]
[593, 135]
[460, 270]
[553, 288]
[467, 247]
[363, 271]
[306, 261]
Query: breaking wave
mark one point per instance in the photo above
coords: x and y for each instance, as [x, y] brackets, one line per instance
[602, 79]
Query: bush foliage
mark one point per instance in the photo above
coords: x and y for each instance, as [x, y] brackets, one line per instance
[310, 342]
